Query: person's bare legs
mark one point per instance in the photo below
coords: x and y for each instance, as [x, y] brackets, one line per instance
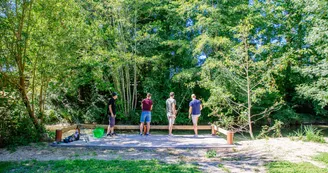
[112, 129]
[170, 129]
[141, 127]
[170, 126]
[148, 127]
[195, 126]
[108, 130]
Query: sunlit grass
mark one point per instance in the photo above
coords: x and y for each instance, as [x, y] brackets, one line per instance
[95, 166]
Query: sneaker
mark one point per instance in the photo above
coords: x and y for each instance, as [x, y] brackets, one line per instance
[108, 134]
[114, 134]
[147, 134]
[195, 136]
[140, 134]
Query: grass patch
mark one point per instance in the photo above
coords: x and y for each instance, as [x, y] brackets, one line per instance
[220, 165]
[288, 167]
[226, 170]
[323, 157]
[210, 154]
[308, 134]
[94, 166]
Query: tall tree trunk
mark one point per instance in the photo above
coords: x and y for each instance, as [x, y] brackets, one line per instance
[249, 105]
[33, 84]
[26, 101]
[128, 96]
[123, 89]
[20, 53]
[41, 98]
[135, 99]
[249, 100]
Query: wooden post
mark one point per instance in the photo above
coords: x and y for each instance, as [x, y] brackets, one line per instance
[59, 134]
[214, 130]
[230, 137]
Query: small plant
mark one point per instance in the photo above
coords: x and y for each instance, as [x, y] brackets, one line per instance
[323, 157]
[313, 134]
[226, 170]
[94, 153]
[299, 133]
[308, 133]
[275, 130]
[210, 154]
[220, 165]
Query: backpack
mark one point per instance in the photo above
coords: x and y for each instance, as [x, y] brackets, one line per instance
[74, 137]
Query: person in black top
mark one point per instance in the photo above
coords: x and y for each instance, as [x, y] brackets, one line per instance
[111, 111]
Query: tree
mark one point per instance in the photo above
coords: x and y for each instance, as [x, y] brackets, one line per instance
[16, 19]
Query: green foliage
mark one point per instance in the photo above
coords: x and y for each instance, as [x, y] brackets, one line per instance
[323, 157]
[94, 166]
[275, 130]
[15, 127]
[248, 61]
[313, 134]
[288, 167]
[287, 115]
[309, 134]
[210, 154]
[315, 88]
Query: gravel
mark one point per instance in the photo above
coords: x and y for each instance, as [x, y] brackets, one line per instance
[247, 156]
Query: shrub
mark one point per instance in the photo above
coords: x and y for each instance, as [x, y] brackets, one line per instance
[313, 134]
[309, 133]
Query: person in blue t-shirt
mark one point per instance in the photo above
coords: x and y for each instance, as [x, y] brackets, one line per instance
[195, 106]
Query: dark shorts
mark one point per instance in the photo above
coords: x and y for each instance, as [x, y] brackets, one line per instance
[111, 121]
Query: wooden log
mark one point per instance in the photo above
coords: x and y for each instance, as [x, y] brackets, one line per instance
[66, 129]
[223, 131]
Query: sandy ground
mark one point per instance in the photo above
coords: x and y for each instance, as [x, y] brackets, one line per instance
[247, 156]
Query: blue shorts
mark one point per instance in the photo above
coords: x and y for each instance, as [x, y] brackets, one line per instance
[145, 116]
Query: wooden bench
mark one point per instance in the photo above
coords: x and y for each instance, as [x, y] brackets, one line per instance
[214, 129]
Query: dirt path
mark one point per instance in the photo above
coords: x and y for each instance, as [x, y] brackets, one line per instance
[248, 156]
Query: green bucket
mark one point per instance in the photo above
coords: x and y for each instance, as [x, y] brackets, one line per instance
[98, 132]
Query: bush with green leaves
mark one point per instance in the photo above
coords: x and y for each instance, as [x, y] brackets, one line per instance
[16, 128]
[275, 130]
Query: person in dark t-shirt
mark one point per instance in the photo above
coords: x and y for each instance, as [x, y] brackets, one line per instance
[111, 112]
[147, 106]
[195, 106]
